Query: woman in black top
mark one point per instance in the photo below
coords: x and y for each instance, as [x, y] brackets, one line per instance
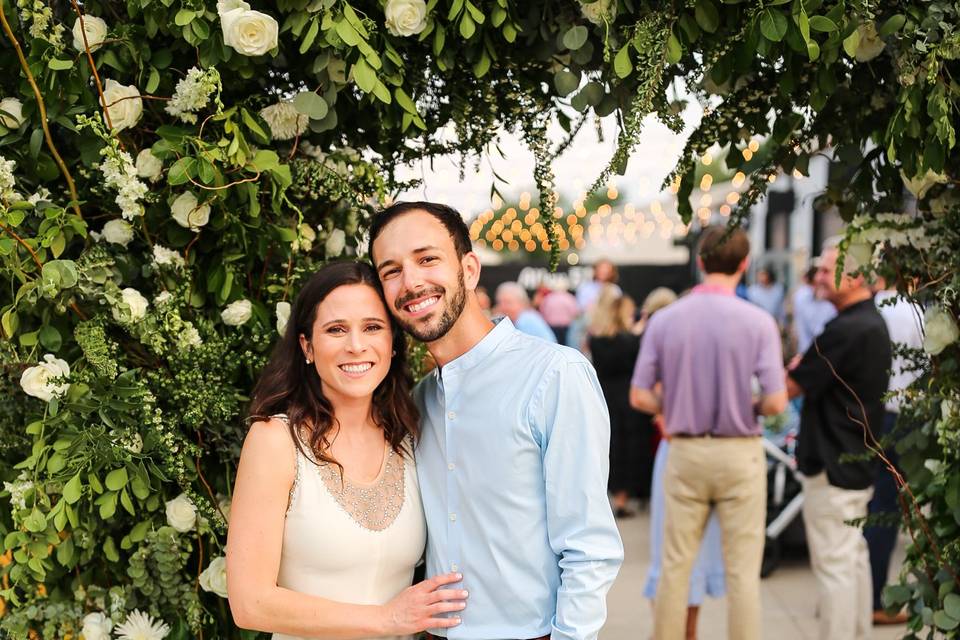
[613, 344]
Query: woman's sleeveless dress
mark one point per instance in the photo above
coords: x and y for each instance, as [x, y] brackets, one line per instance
[352, 542]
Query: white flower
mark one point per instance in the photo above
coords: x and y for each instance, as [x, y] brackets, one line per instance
[284, 120]
[181, 514]
[42, 195]
[870, 44]
[12, 113]
[96, 30]
[120, 173]
[597, 11]
[405, 17]
[224, 502]
[948, 407]
[164, 256]
[859, 254]
[7, 181]
[214, 577]
[136, 306]
[193, 93]
[96, 626]
[118, 232]
[919, 185]
[134, 443]
[237, 313]
[123, 104]
[283, 316]
[228, 5]
[162, 298]
[307, 237]
[190, 337]
[940, 330]
[39, 382]
[335, 243]
[141, 626]
[18, 489]
[189, 213]
[149, 166]
[250, 33]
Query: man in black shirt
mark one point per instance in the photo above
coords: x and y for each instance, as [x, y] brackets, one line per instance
[843, 377]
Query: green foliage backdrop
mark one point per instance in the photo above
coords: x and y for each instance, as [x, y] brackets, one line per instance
[171, 169]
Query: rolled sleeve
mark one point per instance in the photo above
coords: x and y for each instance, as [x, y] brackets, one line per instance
[572, 417]
[646, 373]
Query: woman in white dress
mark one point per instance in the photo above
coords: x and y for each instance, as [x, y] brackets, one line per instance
[326, 523]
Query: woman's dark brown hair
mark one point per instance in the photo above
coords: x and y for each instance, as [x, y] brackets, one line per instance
[288, 385]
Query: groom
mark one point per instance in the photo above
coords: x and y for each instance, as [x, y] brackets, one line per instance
[513, 455]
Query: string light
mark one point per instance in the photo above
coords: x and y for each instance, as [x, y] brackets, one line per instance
[706, 159]
[754, 146]
[747, 154]
[725, 210]
[738, 179]
[733, 197]
[573, 259]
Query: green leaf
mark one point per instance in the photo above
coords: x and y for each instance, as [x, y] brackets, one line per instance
[184, 17]
[773, 25]
[566, 82]
[65, 552]
[153, 81]
[311, 35]
[575, 37]
[944, 621]
[110, 550]
[383, 94]
[404, 101]
[621, 63]
[181, 171]
[251, 123]
[310, 104]
[851, 42]
[35, 522]
[467, 26]
[364, 76]
[823, 24]
[50, 338]
[10, 322]
[439, 38]
[56, 464]
[117, 479]
[674, 50]
[892, 25]
[951, 605]
[265, 160]
[139, 531]
[347, 33]
[707, 16]
[813, 50]
[73, 489]
[509, 32]
[593, 93]
[127, 503]
[483, 65]
[804, 23]
[108, 505]
[60, 65]
[475, 13]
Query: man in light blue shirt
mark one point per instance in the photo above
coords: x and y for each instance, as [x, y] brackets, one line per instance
[513, 302]
[513, 454]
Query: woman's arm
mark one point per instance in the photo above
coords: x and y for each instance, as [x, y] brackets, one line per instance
[264, 478]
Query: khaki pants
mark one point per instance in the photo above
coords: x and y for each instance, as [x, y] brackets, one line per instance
[729, 475]
[839, 557]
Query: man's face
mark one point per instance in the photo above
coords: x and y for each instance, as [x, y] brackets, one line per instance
[509, 305]
[825, 283]
[603, 272]
[763, 278]
[422, 277]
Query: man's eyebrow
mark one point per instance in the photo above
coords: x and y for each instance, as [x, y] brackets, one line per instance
[429, 247]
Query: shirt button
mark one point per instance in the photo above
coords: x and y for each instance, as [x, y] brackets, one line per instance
[454, 567]
[453, 517]
[451, 466]
[452, 415]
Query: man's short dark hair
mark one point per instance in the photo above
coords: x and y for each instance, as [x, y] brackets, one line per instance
[722, 249]
[449, 217]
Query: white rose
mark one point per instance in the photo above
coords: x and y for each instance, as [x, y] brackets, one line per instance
[335, 243]
[406, 17]
[123, 103]
[224, 6]
[136, 304]
[189, 213]
[940, 330]
[919, 185]
[237, 313]
[12, 116]
[118, 232]
[181, 514]
[283, 316]
[595, 12]
[870, 44]
[37, 381]
[96, 30]
[250, 33]
[214, 577]
[96, 626]
[149, 166]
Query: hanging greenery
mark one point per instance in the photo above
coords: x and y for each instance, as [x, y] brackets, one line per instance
[170, 170]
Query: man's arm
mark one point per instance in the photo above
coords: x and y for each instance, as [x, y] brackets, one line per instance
[570, 413]
[645, 400]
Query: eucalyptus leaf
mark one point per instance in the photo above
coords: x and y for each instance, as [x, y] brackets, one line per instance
[575, 37]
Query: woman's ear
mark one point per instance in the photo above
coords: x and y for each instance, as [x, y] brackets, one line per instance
[306, 348]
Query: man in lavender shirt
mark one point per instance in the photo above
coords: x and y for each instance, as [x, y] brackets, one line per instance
[704, 350]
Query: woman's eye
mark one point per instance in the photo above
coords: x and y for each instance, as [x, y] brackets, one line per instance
[374, 327]
[336, 330]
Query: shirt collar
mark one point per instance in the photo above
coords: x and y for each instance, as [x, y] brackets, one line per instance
[714, 288]
[502, 329]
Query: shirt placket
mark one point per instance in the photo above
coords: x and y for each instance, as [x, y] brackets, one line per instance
[450, 419]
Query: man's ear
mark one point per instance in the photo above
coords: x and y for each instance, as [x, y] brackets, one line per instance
[471, 270]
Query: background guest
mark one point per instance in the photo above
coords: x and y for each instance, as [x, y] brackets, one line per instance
[513, 302]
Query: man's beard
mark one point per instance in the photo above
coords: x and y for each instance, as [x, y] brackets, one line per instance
[451, 312]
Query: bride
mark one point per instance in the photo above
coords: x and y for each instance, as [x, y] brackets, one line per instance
[326, 525]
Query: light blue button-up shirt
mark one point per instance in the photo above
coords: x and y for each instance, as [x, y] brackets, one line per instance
[513, 464]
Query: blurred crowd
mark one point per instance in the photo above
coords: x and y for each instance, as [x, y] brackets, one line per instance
[694, 380]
